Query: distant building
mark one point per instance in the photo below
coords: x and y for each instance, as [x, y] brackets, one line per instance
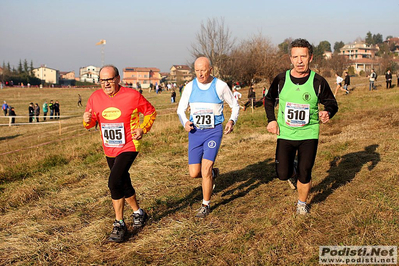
[164, 76]
[393, 44]
[141, 75]
[67, 78]
[89, 74]
[358, 50]
[47, 75]
[364, 64]
[180, 74]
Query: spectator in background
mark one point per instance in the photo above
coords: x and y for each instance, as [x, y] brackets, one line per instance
[79, 100]
[173, 96]
[5, 108]
[57, 110]
[251, 98]
[37, 112]
[31, 110]
[51, 107]
[12, 113]
[45, 110]
[264, 92]
[372, 78]
[347, 82]
[388, 78]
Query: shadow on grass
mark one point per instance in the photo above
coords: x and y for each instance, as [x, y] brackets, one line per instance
[9, 137]
[343, 169]
[250, 178]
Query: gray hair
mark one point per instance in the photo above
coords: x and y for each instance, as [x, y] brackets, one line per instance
[302, 43]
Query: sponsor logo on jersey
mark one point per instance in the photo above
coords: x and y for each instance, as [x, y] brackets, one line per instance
[111, 113]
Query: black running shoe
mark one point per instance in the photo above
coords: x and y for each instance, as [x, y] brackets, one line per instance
[118, 232]
[139, 220]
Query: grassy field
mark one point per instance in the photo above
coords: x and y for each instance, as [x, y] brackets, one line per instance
[55, 207]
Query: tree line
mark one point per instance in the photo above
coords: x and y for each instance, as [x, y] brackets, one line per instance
[257, 59]
[23, 74]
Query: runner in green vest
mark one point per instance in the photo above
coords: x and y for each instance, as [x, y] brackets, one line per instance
[299, 91]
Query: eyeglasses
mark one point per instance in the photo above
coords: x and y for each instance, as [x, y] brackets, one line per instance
[110, 80]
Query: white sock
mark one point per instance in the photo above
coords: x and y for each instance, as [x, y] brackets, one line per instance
[139, 211]
[301, 202]
[206, 202]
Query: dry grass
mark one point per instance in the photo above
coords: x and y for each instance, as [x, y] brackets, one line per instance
[55, 206]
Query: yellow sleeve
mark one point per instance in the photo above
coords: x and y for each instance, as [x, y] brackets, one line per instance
[148, 121]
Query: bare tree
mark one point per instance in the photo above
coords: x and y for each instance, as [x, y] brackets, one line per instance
[257, 59]
[214, 40]
[338, 63]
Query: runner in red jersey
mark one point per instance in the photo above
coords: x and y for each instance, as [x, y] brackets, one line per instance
[117, 110]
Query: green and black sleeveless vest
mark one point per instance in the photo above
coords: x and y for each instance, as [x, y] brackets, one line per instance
[298, 113]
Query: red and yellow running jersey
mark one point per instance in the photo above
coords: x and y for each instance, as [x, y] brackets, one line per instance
[117, 117]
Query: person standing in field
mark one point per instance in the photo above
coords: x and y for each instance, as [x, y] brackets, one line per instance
[347, 82]
[205, 96]
[299, 90]
[37, 112]
[56, 110]
[12, 114]
[251, 98]
[51, 107]
[79, 100]
[388, 79]
[117, 111]
[173, 96]
[45, 110]
[31, 110]
[372, 78]
[5, 108]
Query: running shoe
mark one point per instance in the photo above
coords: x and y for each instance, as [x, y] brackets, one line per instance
[203, 211]
[139, 220]
[215, 174]
[302, 209]
[118, 232]
[292, 181]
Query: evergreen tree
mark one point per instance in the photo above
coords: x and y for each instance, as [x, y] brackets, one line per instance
[338, 46]
[26, 68]
[20, 70]
[369, 38]
[31, 69]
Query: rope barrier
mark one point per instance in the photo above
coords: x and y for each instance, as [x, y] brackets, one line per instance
[34, 117]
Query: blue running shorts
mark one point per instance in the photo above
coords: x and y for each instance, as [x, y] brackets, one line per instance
[204, 144]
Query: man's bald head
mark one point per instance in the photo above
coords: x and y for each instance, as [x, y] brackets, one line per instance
[203, 69]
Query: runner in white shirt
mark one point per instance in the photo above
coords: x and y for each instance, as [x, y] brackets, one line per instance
[339, 84]
[205, 96]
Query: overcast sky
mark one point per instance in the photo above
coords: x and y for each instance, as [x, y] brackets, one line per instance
[62, 34]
